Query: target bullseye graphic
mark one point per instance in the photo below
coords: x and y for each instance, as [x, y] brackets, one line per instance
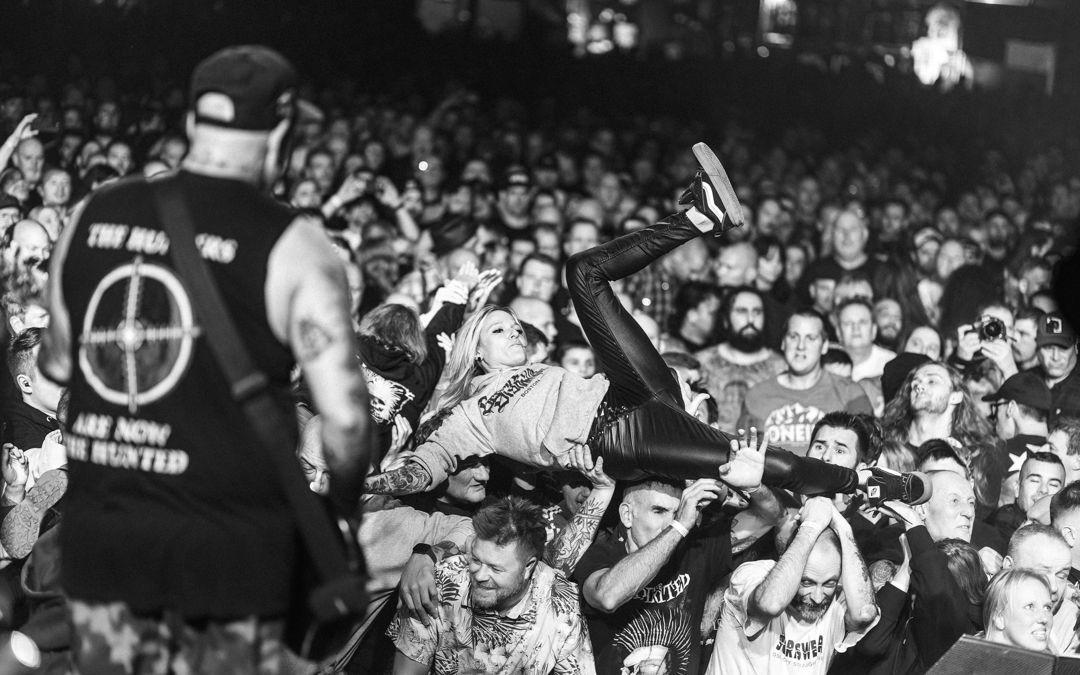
[138, 335]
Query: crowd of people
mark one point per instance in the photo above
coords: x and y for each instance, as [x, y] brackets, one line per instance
[872, 310]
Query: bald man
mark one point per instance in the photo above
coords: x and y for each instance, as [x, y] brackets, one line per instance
[850, 236]
[29, 158]
[30, 243]
[736, 265]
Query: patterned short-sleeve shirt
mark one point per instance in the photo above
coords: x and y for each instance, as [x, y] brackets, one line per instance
[543, 633]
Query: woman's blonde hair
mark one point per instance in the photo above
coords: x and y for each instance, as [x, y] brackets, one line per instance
[462, 365]
[1001, 588]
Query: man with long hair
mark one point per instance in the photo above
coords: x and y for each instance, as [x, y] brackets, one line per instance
[933, 403]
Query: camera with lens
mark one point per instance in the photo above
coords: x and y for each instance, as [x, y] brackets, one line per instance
[990, 329]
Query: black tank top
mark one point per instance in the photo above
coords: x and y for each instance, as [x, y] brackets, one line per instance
[172, 504]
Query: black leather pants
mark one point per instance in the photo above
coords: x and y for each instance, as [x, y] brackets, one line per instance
[642, 429]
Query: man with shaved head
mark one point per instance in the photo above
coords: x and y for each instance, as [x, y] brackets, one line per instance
[789, 615]
[29, 158]
[30, 244]
[736, 265]
[1043, 550]
[850, 235]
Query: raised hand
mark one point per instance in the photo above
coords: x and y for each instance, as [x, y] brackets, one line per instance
[468, 274]
[597, 477]
[902, 512]
[25, 128]
[487, 282]
[746, 463]
[387, 193]
[14, 466]
[579, 458]
[445, 342]
[695, 497]
[818, 512]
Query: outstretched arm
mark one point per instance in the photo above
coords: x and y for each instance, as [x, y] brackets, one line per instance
[307, 301]
[578, 535]
[610, 588]
[862, 606]
[405, 480]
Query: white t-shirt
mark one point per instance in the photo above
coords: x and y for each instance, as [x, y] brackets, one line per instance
[874, 365]
[784, 645]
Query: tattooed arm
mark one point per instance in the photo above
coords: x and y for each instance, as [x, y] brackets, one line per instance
[307, 301]
[578, 535]
[405, 480]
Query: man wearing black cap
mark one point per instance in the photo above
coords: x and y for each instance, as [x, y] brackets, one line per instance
[1056, 343]
[512, 209]
[1019, 409]
[179, 548]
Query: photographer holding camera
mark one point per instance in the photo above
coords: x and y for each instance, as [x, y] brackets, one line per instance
[364, 186]
[990, 338]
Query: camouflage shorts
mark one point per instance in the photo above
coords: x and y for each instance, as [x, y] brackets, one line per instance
[111, 640]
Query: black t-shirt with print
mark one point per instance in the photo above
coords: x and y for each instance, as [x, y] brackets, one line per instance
[668, 610]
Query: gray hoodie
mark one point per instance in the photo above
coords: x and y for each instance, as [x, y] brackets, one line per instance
[532, 414]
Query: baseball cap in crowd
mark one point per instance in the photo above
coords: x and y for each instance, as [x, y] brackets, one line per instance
[1055, 330]
[896, 371]
[925, 234]
[1025, 388]
[452, 233]
[9, 202]
[516, 176]
[244, 87]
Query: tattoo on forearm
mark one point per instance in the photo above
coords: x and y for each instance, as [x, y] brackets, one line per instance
[575, 539]
[407, 480]
[314, 340]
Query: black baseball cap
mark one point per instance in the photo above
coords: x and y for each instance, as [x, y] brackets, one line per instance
[1026, 388]
[1054, 329]
[516, 176]
[248, 87]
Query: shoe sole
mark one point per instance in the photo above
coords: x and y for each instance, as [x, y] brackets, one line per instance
[718, 177]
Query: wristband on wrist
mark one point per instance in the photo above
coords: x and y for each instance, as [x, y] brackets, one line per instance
[680, 528]
[425, 549]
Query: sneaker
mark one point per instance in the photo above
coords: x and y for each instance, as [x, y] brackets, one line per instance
[712, 194]
[911, 488]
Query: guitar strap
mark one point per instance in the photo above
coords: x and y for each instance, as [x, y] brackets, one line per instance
[341, 591]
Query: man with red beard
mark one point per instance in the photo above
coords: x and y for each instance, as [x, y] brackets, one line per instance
[732, 367]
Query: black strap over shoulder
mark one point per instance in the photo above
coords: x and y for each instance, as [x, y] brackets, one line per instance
[335, 597]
